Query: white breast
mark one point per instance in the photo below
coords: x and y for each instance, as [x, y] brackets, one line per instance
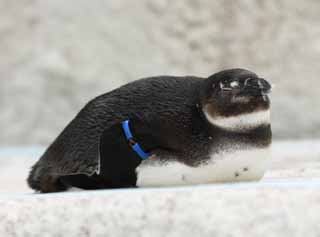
[240, 165]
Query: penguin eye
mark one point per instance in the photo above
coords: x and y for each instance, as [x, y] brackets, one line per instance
[229, 86]
[224, 87]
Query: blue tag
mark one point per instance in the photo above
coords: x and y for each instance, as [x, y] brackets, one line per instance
[136, 147]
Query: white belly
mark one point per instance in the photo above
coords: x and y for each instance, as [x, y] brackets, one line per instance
[241, 165]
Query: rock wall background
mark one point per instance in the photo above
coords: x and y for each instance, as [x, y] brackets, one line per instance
[56, 55]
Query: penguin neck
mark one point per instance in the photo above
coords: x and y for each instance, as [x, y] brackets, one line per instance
[239, 123]
[253, 135]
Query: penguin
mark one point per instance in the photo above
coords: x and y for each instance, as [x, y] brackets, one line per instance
[164, 131]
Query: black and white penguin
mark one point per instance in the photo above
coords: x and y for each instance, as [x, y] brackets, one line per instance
[163, 131]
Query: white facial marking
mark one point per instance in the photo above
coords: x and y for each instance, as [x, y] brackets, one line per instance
[240, 165]
[246, 81]
[240, 122]
[234, 84]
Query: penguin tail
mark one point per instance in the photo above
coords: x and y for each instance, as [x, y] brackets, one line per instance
[42, 180]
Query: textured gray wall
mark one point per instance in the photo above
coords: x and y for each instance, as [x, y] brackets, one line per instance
[55, 55]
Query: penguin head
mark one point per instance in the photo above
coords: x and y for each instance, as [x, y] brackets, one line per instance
[236, 99]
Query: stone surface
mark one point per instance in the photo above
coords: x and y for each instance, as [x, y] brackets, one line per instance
[234, 210]
[285, 203]
[56, 55]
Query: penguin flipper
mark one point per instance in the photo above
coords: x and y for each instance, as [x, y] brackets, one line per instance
[116, 164]
[45, 175]
[42, 180]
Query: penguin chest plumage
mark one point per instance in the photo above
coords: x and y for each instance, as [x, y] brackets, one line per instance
[228, 166]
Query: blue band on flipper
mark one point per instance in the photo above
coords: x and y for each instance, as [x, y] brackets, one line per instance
[136, 147]
[126, 129]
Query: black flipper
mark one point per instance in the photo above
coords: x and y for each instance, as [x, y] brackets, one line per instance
[116, 165]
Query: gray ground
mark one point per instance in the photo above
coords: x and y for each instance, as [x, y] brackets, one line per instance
[285, 203]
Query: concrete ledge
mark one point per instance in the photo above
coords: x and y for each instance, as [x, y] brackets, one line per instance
[287, 208]
[285, 203]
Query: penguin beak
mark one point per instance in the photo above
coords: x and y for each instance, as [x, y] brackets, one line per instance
[264, 86]
[256, 86]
